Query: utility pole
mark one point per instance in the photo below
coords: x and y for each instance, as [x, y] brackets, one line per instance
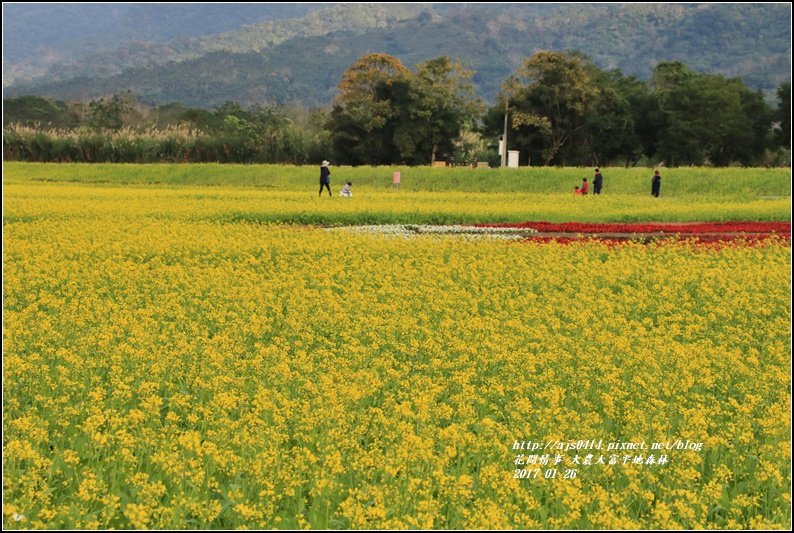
[504, 139]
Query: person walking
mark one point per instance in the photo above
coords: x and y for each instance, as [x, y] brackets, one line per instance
[325, 178]
[656, 183]
[597, 182]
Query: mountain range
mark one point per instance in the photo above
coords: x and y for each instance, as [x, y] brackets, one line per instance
[203, 55]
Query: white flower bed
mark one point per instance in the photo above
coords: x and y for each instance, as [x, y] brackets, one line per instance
[411, 230]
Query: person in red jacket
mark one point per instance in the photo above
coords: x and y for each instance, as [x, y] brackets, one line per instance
[577, 191]
[584, 185]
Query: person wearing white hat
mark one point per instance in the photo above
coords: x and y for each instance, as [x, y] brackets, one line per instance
[325, 178]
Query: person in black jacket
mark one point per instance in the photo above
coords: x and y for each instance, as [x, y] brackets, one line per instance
[325, 178]
[597, 182]
[656, 183]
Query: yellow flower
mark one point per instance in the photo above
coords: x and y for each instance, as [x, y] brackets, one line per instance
[137, 515]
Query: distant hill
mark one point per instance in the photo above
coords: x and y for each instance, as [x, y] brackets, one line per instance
[99, 40]
[43, 39]
[299, 57]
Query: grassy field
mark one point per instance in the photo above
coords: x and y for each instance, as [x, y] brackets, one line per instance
[678, 182]
[278, 194]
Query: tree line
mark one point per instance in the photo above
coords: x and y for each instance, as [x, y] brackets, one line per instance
[557, 108]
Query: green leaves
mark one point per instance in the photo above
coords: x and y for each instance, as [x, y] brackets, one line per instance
[387, 114]
[552, 94]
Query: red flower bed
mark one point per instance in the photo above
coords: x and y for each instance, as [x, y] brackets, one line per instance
[712, 240]
[779, 228]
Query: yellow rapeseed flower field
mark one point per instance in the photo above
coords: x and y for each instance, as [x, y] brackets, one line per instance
[164, 369]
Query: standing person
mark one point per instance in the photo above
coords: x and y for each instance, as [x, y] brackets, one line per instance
[325, 178]
[597, 181]
[656, 183]
[585, 185]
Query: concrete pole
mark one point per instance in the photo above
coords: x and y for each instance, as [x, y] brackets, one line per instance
[504, 139]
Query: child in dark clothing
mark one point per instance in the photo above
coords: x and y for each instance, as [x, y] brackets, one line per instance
[656, 183]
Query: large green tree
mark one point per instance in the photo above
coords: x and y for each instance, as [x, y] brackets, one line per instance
[443, 101]
[552, 95]
[362, 122]
[614, 129]
[385, 113]
[705, 118]
[114, 113]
